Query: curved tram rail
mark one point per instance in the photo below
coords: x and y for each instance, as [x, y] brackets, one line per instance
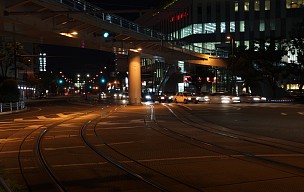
[181, 116]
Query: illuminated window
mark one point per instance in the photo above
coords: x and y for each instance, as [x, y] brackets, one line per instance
[257, 5]
[42, 62]
[210, 27]
[292, 4]
[246, 44]
[246, 5]
[181, 65]
[232, 26]
[236, 6]
[223, 27]
[186, 31]
[262, 25]
[197, 28]
[242, 26]
[267, 5]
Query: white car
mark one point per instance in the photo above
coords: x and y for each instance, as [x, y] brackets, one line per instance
[221, 97]
[185, 97]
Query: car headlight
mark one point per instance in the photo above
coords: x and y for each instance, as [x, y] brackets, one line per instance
[189, 98]
[171, 97]
[162, 97]
[148, 97]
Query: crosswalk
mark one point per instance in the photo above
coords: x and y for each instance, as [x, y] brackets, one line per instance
[40, 118]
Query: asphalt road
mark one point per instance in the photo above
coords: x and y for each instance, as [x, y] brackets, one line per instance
[67, 144]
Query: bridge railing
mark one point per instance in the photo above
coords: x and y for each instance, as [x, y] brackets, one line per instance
[97, 12]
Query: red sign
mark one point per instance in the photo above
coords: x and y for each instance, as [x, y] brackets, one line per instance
[179, 17]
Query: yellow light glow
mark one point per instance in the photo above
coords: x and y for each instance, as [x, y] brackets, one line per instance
[72, 34]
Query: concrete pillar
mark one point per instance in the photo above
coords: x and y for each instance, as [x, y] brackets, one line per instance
[134, 78]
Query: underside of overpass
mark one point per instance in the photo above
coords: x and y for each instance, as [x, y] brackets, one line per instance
[79, 24]
[44, 22]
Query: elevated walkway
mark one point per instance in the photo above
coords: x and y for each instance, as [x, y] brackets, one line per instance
[47, 22]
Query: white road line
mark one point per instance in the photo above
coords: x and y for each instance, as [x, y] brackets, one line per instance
[301, 113]
[283, 113]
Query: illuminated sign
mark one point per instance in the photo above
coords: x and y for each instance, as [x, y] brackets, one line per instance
[178, 17]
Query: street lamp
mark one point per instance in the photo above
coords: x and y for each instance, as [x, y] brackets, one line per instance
[85, 86]
[231, 39]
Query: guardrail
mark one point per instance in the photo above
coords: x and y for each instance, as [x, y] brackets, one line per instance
[95, 11]
[12, 106]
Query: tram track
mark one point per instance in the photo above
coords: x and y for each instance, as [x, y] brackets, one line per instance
[181, 116]
[36, 135]
[138, 169]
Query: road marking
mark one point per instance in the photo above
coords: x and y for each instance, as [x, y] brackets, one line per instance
[283, 113]
[41, 117]
[9, 152]
[61, 115]
[301, 113]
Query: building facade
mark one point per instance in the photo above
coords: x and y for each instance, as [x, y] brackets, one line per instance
[204, 25]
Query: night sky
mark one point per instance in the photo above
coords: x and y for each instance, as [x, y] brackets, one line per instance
[76, 60]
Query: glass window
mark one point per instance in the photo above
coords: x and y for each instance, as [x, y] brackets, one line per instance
[246, 5]
[262, 25]
[242, 26]
[197, 28]
[210, 27]
[236, 6]
[291, 4]
[232, 26]
[267, 5]
[246, 44]
[223, 27]
[186, 31]
[257, 5]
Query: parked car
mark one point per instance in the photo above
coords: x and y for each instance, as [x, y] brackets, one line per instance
[185, 97]
[249, 98]
[221, 97]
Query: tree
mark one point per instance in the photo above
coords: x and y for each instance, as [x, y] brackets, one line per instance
[8, 53]
[261, 63]
[297, 45]
[9, 91]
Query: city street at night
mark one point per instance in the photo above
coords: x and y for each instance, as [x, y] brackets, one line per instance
[71, 144]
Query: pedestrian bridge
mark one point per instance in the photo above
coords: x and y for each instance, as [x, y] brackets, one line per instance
[80, 24]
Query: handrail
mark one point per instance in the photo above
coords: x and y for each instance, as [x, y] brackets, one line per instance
[95, 11]
[11, 106]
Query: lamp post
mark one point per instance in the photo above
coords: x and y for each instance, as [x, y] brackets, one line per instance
[86, 86]
[231, 39]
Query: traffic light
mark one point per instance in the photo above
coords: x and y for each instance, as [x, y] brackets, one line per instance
[60, 81]
[107, 35]
[102, 80]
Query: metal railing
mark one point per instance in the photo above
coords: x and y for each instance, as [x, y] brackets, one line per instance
[12, 106]
[95, 11]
